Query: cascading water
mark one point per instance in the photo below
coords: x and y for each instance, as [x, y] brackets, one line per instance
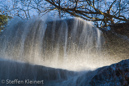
[50, 43]
[72, 44]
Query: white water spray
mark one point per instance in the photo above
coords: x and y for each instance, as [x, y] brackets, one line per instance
[69, 44]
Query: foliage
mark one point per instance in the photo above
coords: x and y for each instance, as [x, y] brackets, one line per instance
[3, 21]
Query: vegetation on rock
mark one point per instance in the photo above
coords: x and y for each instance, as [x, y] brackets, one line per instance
[3, 21]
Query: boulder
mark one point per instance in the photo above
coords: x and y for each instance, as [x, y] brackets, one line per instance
[114, 75]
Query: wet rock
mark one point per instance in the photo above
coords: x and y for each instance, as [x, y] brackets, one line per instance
[11, 70]
[121, 28]
[114, 75]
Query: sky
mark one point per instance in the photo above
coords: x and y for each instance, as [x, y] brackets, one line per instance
[9, 6]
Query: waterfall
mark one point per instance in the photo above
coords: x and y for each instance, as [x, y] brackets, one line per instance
[59, 43]
[58, 52]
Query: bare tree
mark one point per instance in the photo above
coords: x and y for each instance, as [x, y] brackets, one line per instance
[102, 12]
[25, 8]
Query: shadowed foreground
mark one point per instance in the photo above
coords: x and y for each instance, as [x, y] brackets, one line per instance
[23, 74]
[11, 72]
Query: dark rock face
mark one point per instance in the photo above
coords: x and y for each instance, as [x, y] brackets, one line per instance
[117, 41]
[11, 70]
[114, 75]
[121, 28]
